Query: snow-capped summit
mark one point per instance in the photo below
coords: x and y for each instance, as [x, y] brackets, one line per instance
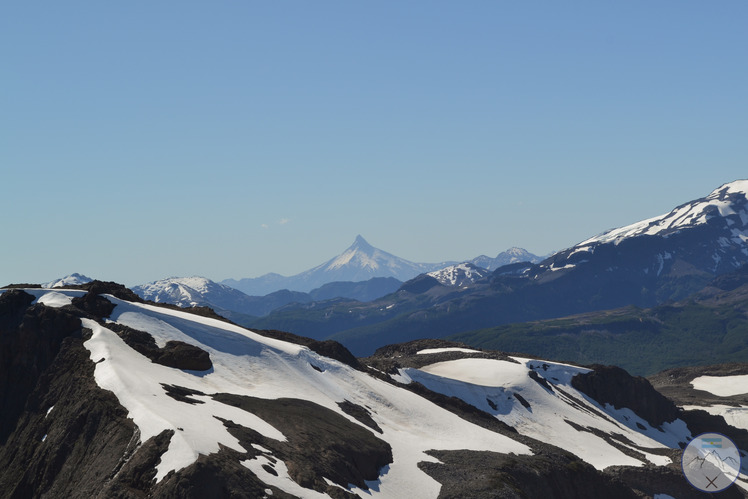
[512, 255]
[730, 201]
[707, 235]
[459, 275]
[191, 292]
[70, 280]
[359, 262]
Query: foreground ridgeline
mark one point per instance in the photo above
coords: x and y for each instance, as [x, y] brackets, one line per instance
[105, 395]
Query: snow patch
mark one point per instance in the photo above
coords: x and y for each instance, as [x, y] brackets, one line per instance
[722, 386]
[537, 399]
[427, 351]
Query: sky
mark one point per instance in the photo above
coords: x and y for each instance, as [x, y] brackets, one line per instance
[228, 139]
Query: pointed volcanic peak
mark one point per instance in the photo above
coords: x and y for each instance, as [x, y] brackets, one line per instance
[360, 262]
[70, 280]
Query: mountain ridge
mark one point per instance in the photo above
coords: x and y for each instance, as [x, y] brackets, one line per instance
[271, 416]
[640, 269]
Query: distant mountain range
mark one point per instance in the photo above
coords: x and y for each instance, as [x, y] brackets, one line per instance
[361, 262]
[239, 307]
[644, 264]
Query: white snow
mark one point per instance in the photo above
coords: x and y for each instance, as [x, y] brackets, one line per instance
[71, 280]
[54, 299]
[694, 213]
[426, 351]
[722, 386]
[495, 385]
[459, 275]
[246, 363]
[136, 382]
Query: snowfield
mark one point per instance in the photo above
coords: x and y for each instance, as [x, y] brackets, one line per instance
[722, 386]
[246, 363]
[550, 412]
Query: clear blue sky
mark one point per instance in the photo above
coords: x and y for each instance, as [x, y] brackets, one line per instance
[141, 140]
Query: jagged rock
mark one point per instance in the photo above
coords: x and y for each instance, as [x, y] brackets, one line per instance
[548, 474]
[180, 355]
[30, 338]
[94, 304]
[613, 385]
[176, 354]
[328, 348]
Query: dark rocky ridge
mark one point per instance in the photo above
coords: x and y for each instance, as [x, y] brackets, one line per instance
[176, 354]
[612, 385]
[30, 339]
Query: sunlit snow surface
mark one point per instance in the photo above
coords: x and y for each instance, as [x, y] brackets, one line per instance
[246, 363]
[722, 386]
[696, 213]
[506, 390]
[427, 351]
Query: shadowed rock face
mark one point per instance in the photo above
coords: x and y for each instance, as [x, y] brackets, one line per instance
[176, 354]
[30, 338]
[612, 385]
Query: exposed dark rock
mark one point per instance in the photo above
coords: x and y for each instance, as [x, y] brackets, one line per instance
[94, 304]
[612, 385]
[30, 338]
[218, 476]
[360, 413]
[522, 401]
[97, 287]
[390, 358]
[540, 380]
[651, 480]
[72, 436]
[181, 355]
[547, 474]
[419, 284]
[176, 354]
[182, 393]
[328, 348]
[320, 442]
[21, 286]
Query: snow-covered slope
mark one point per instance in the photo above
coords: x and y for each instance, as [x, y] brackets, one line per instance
[701, 238]
[537, 399]
[191, 292]
[266, 412]
[459, 275]
[247, 364]
[729, 201]
[360, 262]
[71, 280]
